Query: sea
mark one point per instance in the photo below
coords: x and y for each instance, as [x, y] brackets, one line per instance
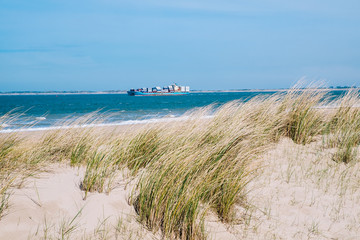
[39, 112]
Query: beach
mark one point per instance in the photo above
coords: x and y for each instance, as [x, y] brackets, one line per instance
[266, 168]
[179, 120]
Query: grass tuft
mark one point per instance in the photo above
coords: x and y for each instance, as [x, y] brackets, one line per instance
[98, 174]
[343, 130]
[302, 121]
[142, 149]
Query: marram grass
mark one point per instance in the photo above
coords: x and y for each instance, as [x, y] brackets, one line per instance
[99, 172]
[184, 170]
[202, 168]
[302, 121]
[343, 129]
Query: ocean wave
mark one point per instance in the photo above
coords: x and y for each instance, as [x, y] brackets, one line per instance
[334, 106]
[128, 122]
[40, 118]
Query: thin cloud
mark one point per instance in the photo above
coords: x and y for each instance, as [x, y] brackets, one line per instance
[262, 6]
[24, 50]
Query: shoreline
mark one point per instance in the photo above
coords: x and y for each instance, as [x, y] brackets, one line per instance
[100, 125]
[60, 93]
[165, 119]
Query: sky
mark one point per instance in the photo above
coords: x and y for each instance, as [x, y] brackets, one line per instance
[96, 45]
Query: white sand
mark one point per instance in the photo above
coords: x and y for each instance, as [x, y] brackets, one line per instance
[303, 194]
[53, 199]
[300, 193]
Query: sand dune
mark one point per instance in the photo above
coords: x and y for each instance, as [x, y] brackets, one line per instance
[297, 195]
[274, 168]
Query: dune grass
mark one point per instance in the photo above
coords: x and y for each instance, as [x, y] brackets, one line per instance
[141, 150]
[343, 130]
[206, 168]
[5, 195]
[184, 170]
[302, 121]
[100, 170]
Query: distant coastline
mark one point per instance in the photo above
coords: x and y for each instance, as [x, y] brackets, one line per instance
[61, 93]
[125, 92]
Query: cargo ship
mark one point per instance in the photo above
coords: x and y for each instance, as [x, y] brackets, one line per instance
[158, 91]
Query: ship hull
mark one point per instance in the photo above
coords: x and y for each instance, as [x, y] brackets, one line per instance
[136, 93]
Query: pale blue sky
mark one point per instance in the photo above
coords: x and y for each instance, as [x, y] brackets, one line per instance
[207, 44]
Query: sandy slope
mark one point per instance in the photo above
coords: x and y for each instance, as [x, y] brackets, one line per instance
[300, 193]
[47, 204]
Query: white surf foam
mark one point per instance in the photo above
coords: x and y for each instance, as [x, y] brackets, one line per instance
[40, 118]
[129, 122]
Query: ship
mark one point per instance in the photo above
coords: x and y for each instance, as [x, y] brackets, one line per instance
[173, 89]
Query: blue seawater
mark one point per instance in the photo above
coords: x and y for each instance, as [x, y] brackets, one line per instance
[42, 111]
